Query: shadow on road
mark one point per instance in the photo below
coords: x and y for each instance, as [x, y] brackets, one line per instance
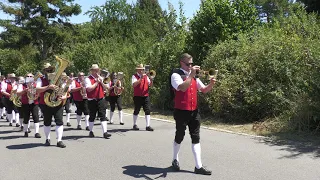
[145, 171]
[295, 145]
[10, 137]
[7, 132]
[25, 146]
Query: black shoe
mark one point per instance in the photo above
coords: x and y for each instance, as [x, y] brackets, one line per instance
[17, 125]
[87, 128]
[175, 165]
[7, 120]
[135, 127]
[26, 134]
[2, 117]
[202, 170]
[29, 131]
[37, 135]
[110, 122]
[91, 134]
[79, 127]
[149, 128]
[47, 142]
[121, 123]
[61, 144]
[68, 124]
[106, 135]
[10, 124]
[21, 128]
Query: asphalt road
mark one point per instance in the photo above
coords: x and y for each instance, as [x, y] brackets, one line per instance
[148, 155]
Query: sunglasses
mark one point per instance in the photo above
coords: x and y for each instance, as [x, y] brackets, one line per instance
[188, 64]
[29, 76]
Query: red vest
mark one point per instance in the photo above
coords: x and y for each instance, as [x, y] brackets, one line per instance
[141, 89]
[9, 88]
[0, 89]
[111, 92]
[77, 95]
[45, 82]
[97, 93]
[187, 100]
[24, 97]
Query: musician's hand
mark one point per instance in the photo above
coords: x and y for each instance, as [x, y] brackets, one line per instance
[213, 80]
[52, 87]
[62, 97]
[194, 70]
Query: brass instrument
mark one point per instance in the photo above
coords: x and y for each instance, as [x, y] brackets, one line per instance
[15, 98]
[150, 73]
[32, 91]
[83, 90]
[51, 98]
[211, 73]
[105, 75]
[118, 88]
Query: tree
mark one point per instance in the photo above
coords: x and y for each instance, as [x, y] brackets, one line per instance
[218, 20]
[312, 5]
[42, 23]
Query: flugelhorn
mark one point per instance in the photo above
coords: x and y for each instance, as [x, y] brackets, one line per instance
[150, 73]
[211, 73]
[118, 88]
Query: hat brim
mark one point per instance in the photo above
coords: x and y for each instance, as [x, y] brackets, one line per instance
[139, 68]
[94, 69]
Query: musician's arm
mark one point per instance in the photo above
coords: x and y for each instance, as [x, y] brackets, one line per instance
[74, 88]
[4, 90]
[205, 89]
[20, 90]
[150, 82]
[39, 87]
[178, 83]
[135, 82]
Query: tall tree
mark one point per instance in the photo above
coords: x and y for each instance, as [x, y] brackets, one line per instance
[42, 23]
[312, 5]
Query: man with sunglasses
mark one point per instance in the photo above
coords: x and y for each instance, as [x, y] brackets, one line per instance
[186, 113]
[141, 83]
[78, 89]
[29, 105]
[43, 85]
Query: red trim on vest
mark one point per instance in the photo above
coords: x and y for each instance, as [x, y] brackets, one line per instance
[98, 92]
[187, 100]
[45, 82]
[77, 95]
[24, 97]
[141, 89]
[111, 92]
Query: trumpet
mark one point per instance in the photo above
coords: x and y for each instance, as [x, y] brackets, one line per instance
[211, 73]
[150, 73]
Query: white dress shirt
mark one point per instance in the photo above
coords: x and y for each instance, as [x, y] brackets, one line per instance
[134, 79]
[176, 80]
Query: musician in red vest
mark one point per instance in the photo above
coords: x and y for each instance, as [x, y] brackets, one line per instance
[186, 113]
[78, 89]
[141, 83]
[29, 105]
[43, 86]
[95, 92]
[2, 107]
[115, 98]
[6, 88]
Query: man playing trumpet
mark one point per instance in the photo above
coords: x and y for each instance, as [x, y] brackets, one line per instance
[30, 104]
[115, 98]
[78, 90]
[141, 82]
[95, 92]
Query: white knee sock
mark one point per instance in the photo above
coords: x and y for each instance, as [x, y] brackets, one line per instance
[104, 126]
[47, 131]
[68, 117]
[59, 132]
[1, 111]
[13, 116]
[86, 117]
[176, 149]
[147, 120]
[111, 115]
[18, 120]
[29, 124]
[10, 118]
[91, 124]
[106, 113]
[25, 127]
[135, 117]
[79, 120]
[196, 149]
[36, 127]
[120, 116]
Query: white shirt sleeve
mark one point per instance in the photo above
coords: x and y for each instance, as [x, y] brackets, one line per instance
[3, 87]
[200, 85]
[133, 79]
[73, 85]
[176, 80]
[88, 82]
[20, 88]
[39, 82]
[148, 80]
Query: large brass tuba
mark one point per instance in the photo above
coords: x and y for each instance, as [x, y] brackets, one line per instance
[51, 98]
[118, 88]
[32, 91]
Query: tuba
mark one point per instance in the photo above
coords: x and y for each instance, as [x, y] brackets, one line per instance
[118, 88]
[51, 98]
[32, 91]
[150, 73]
